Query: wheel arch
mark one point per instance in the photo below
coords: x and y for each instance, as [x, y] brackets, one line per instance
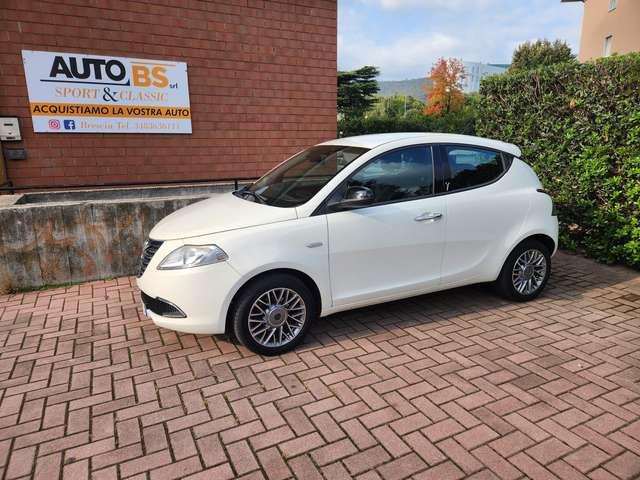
[543, 238]
[302, 276]
[546, 240]
[508, 291]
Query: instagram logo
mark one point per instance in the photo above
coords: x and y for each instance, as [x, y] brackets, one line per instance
[54, 124]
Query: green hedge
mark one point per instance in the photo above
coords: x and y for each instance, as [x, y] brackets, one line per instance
[578, 125]
[455, 122]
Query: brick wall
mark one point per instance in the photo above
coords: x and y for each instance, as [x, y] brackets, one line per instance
[261, 81]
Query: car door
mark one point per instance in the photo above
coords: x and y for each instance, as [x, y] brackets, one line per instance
[480, 211]
[393, 247]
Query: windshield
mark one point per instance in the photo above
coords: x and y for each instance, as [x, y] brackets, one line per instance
[301, 177]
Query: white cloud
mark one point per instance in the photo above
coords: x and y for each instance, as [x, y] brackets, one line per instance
[412, 53]
[404, 41]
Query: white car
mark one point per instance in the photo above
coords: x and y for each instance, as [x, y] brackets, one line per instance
[348, 223]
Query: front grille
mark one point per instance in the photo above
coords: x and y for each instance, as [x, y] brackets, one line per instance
[148, 251]
[161, 307]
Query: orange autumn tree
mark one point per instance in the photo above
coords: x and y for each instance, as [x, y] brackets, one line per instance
[444, 94]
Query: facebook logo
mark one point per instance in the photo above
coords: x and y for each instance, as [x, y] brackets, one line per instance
[69, 124]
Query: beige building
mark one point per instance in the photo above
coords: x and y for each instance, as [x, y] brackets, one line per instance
[609, 26]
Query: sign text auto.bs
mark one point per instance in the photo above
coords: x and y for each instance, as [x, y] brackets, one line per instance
[72, 92]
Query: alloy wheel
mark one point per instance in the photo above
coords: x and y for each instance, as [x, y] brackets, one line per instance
[277, 317]
[529, 271]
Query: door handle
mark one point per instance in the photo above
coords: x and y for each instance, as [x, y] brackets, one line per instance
[428, 216]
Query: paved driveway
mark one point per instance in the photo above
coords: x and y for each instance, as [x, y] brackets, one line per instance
[443, 386]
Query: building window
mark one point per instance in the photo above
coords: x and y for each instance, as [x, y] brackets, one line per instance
[608, 40]
[613, 4]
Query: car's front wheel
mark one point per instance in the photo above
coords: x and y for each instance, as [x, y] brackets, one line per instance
[272, 313]
[525, 272]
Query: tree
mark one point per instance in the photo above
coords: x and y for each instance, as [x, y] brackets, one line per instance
[540, 53]
[445, 95]
[356, 90]
[397, 106]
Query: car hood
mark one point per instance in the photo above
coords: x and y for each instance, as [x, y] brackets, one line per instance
[220, 213]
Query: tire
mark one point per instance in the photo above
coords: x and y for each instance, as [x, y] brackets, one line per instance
[277, 302]
[512, 284]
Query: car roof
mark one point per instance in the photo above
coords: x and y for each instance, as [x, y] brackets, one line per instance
[378, 139]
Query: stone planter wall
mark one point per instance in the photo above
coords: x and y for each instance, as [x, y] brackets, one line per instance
[60, 237]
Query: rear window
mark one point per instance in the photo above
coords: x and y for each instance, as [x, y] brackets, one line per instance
[471, 166]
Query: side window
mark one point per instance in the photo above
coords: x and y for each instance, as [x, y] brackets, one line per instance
[471, 166]
[398, 175]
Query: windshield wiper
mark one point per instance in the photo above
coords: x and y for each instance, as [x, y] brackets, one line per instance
[243, 192]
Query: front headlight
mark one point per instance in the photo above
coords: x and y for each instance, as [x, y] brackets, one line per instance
[189, 256]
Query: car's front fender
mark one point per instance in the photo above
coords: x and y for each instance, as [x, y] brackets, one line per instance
[300, 245]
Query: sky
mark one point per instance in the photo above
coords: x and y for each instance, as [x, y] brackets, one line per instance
[404, 37]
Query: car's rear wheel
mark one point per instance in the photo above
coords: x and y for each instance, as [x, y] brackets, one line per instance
[272, 314]
[525, 272]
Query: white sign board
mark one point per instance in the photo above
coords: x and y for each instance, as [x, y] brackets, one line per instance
[72, 92]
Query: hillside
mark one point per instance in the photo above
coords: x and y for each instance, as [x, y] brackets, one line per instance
[413, 87]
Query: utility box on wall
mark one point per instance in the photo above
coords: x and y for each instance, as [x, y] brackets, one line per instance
[9, 129]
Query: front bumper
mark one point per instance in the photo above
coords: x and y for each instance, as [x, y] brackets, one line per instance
[202, 294]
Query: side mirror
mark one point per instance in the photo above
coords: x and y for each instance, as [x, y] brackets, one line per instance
[354, 197]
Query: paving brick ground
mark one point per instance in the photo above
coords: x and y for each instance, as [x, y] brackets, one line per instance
[442, 386]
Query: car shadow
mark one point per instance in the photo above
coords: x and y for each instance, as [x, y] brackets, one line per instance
[574, 283]
[573, 279]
